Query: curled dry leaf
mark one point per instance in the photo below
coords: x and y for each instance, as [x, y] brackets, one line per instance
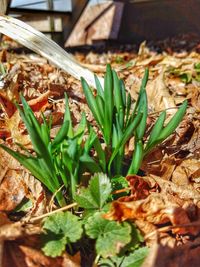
[141, 187]
[16, 130]
[174, 204]
[40, 103]
[36, 195]
[7, 104]
[186, 172]
[12, 190]
[158, 94]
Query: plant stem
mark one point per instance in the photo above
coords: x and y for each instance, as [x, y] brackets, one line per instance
[32, 220]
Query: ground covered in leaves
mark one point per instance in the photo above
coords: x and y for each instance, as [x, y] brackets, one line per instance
[164, 202]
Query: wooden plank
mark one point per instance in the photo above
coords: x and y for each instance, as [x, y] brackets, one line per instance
[69, 22]
[4, 6]
[98, 22]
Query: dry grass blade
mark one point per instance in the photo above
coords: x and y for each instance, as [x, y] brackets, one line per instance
[39, 43]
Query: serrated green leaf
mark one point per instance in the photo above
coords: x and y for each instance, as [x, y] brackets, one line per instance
[110, 236]
[97, 193]
[66, 224]
[54, 248]
[62, 228]
[136, 258]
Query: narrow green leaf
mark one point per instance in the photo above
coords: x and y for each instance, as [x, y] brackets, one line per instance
[100, 105]
[123, 92]
[62, 133]
[89, 163]
[174, 122]
[128, 108]
[100, 154]
[81, 128]
[137, 158]
[109, 103]
[67, 117]
[117, 92]
[91, 102]
[142, 107]
[99, 87]
[90, 140]
[155, 132]
[31, 164]
[127, 134]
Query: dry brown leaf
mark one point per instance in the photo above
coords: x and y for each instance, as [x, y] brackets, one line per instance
[14, 127]
[36, 195]
[11, 231]
[158, 94]
[35, 258]
[141, 187]
[40, 103]
[185, 172]
[7, 162]
[12, 190]
[8, 105]
[71, 261]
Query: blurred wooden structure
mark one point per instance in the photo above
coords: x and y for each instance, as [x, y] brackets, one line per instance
[117, 21]
[57, 24]
[158, 19]
[137, 21]
[3, 6]
[98, 23]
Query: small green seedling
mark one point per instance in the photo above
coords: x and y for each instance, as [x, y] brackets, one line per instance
[65, 159]
[60, 161]
[112, 110]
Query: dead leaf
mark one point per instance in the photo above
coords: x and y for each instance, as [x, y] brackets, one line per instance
[184, 172]
[12, 190]
[141, 187]
[8, 105]
[16, 130]
[40, 103]
[36, 195]
[158, 94]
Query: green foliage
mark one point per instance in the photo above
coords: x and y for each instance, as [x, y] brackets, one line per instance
[187, 76]
[97, 193]
[118, 122]
[67, 157]
[62, 228]
[134, 259]
[59, 161]
[111, 109]
[110, 236]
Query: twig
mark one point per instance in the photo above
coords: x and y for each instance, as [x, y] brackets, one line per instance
[53, 197]
[171, 227]
[121, 190]
[52, 212]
